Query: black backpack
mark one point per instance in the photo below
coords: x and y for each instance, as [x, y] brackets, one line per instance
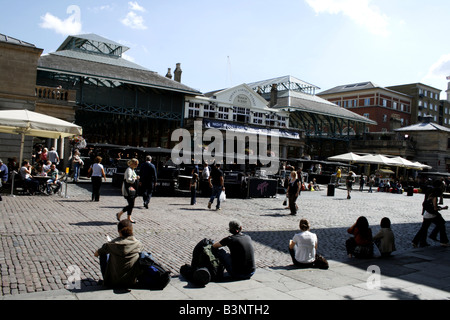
[153, 276]
[204, 260]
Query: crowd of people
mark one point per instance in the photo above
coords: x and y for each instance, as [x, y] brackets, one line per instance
[118, 258]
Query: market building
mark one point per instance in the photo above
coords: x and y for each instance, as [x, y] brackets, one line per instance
[117, 101]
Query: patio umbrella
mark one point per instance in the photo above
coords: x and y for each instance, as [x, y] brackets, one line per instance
[346, 157]
[402, 162]
[375, 159]
[29, 123]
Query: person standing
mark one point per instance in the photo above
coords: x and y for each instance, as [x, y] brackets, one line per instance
[97, 172]
[240, 262]
[293, 191]
[148, 179]
[77, 163]
[129, 189]
[349, 183]
[3, 175]
[431, 214]
[338, 176]
[217, 183]
[193, 185]
[53, 156]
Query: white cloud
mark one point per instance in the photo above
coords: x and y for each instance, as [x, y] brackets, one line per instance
[134, 21]
[361, 12]
[134, 6]
[70, 26]
[438, 73]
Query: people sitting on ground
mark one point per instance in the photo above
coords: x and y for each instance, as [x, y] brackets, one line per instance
[361, 244]
[54, 180]
[316, 185]
[119, 257]
[303, 248]
[31, 184]
[384, 239]
[240, 262]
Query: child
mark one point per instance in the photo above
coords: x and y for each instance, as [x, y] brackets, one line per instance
[193, 187]
[385, 239]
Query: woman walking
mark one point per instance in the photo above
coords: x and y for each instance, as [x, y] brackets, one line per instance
[293, 191]
[129, 188]
[97, 172]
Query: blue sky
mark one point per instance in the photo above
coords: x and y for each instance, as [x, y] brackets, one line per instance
[225, 43]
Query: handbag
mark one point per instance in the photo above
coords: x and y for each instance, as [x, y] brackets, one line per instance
[131, 192]
[285, 201]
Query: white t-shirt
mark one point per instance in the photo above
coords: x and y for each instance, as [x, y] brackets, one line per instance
[97, 170]
[305, 249]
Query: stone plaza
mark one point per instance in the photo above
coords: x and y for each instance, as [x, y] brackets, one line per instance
[43, 237]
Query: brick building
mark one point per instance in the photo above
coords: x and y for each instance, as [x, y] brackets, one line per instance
[389, 108]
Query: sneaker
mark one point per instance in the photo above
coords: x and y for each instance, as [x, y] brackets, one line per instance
[445, 245]
[218, 209]
[209, 205]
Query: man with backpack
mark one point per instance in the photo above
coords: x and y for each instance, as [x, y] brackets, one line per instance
[240, 262]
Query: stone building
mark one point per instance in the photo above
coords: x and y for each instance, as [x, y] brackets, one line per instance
[431, 143]
[425, 102]
[18, 62]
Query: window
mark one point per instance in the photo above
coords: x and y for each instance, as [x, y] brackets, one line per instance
[384, 101]
[271, 120]
[222, 113]
[367, 115]
[241, 114]
[194, 110]
[367, 102]
[385, 117]
[282, 121]
[209, 111]
[394, 106]
[258, 118]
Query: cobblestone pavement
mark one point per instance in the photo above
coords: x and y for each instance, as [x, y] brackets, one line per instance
[41, 236]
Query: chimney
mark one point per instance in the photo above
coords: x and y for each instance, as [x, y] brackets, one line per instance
[178, 73]
[169, 74]
[427, 118]
[273, 95]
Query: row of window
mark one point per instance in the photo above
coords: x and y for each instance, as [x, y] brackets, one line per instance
[367, 103]
[426, 93]
[239, 114]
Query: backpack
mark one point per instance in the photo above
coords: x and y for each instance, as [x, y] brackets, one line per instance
[204, 260]
[153, 276]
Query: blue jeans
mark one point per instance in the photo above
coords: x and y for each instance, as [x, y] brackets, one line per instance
[76, 171]
[216, 192]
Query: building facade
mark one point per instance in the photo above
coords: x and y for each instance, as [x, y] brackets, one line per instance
[425, 102]
[117, 101]
[18, 62]
[390, 109]
[242, 111]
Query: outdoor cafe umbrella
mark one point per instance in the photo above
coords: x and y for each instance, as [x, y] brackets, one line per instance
[29, 123]
[346, 157]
